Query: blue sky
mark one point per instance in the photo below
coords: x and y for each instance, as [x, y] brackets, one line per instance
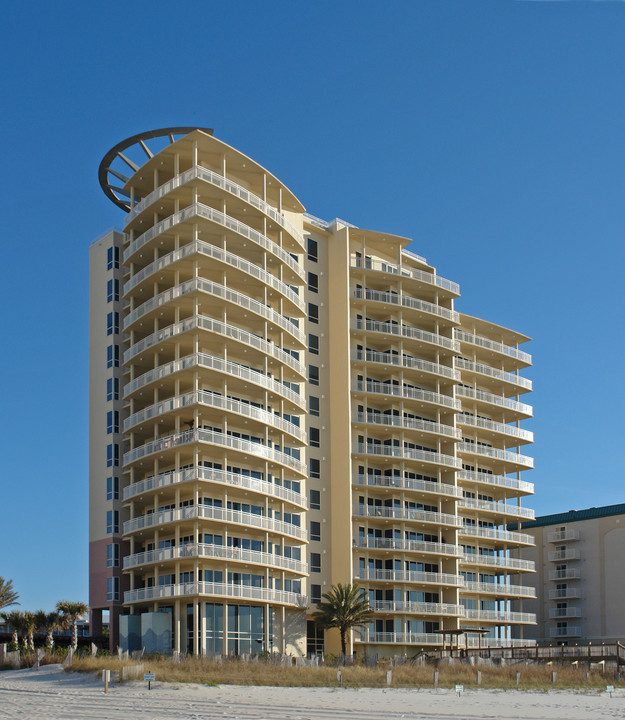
[490, 132]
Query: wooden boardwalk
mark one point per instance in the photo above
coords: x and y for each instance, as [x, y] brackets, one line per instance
[606, 652]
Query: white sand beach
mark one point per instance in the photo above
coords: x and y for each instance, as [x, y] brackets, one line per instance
[52, 694]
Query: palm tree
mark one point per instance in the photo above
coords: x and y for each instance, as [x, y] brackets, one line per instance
[70, 613]
[13, 620]
[8, 596]
[48, 623]
[29, 627]
[345, 607]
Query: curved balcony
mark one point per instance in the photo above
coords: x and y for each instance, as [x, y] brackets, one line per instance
[416, 546]
[410, 514]
[523, 461]
[204, 211]
[500, 616]
[407, 302]
[507, 430]
[518, 408]
[424, 486]
[499, 481]
[478, 341]
[219, 291]
[380, 388]
[497, 507]
[199, 435]
[203, 248]
[422, 578]
[484, 588]
[217, 552]
[505, 536]
[201, 322]
[383, 638]
[405, 272]
[505, 563]
[207, 512]
[408, 362]
[213, 400]
[486, 370]
[424, 456]
[236, 592]
[213, 362]
[213, 178]
[416, 608]
[406, 331]
[202, 474]
[397, 421]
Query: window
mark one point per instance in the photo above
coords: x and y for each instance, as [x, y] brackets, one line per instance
[112, 555]
[313, 436]
[112, 290]
[112, 521]
[112, 258]
[313, 250]
[112, 422]
[315, 562]
[315, 530]
[313, 405]
[313, 375]
[112, 389]
[112, 323]
[315, 500]
[112, 488]
[313, 313]
[112, 455]
[315, 468]
[313, 282]
[112, 588]
[112, 356]
[313, 344]
[315, 594]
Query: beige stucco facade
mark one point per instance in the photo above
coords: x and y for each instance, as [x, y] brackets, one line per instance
[580, 575]
[301, 405]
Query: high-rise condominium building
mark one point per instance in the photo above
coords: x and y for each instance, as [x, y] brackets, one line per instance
[279, 404]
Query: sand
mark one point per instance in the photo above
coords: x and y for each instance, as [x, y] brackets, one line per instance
[52, 694]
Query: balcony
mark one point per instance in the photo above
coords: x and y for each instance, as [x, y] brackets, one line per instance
[566, 612]
[503, 536]
[199, 247]
[425, 456]
[216, 552]
[389, 390]
[564, 593]
[416, 608]
[497, 508]
[566, 574]
[407, 302]
[500, 481]
[505, 456]
[500, 616]
[500, 428]
[425, 486]
[221, 182]
[406, 361]
[201, 322]
[405, 272]
[207, 512]
[477, 341]
[412, 515]
[494, 373]
[497, 589]
[406, 331]
[573, 631]
[236, 592]
[204, 211]
[506, 563]
[399, 638]
[219, 402]
[202, 474]
[518, 408]
[415, 546]
[220, 439]
[568, 554]
[405, 423]
[212, 362]
[563, 536]
[408, 576]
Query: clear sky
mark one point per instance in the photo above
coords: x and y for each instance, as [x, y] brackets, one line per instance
[490, 132]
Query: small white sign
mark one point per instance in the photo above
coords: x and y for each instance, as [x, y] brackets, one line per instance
[149, 677]
[459, 689]
[610, 689]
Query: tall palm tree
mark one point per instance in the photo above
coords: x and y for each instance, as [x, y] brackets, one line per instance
[48, 623]
[8, 596]
[13, 620]
[343, 607]
[70, 613]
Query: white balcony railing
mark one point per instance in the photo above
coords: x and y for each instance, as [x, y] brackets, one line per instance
[416, 546]
[497, 561]
[504, 536]
[417, 608]
[568, 554]
[563, 593]
[404, 453]
[405, 272]
[383, 638]
[509, 430]
[407, 423]
[405, 483]
[478, 341]
[497, 507]
[565, 574]
[500, 616]
[563, 535]
[242, 592]
[407, 302]
[481, 369]
[492, 399]
[406, 361]
[501, 481]
[486, 588]
[410, 576]
[396, 513]
[496, 454]
[382, 388]
[406, 331]
[570, 631]
[565, 612]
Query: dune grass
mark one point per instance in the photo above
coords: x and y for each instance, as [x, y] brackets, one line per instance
[233, 672]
